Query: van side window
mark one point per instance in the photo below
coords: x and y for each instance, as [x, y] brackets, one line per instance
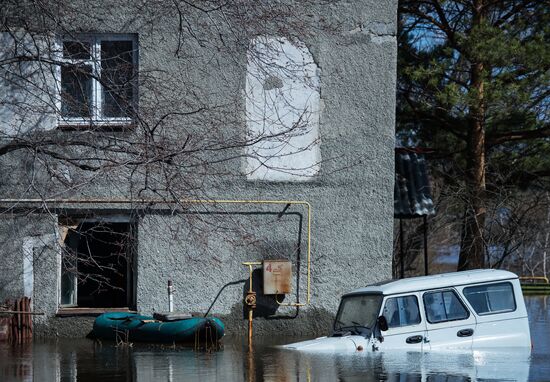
[401, 311]
[444, 306]
[492, 298]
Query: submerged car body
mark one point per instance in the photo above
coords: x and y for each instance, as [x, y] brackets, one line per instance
[470, 310]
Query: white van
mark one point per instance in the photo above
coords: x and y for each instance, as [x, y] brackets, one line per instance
[469, 310]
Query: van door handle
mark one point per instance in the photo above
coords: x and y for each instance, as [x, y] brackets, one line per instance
[465, 332]
[414, 339]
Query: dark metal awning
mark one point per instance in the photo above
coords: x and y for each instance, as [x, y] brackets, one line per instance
[412, 192]
[412, 196]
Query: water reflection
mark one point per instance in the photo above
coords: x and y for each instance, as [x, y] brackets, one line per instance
[403, 366]
[82, 360]
[538, 308]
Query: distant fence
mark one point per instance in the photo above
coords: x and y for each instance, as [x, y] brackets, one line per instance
[535, 284]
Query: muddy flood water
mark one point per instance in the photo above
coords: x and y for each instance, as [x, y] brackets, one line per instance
[82, 360]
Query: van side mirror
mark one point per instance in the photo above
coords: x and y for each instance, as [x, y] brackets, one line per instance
[382, 323]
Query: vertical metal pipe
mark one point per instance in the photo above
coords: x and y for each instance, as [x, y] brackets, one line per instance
[30, 319]
[250, 313]
[250, 301]
[426, 245]
[20, 320]
[401, 250]
[251, 369]
[170, 296]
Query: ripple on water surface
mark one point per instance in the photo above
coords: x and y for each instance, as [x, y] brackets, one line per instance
[82, 360]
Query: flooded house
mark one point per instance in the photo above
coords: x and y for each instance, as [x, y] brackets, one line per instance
[234, 149]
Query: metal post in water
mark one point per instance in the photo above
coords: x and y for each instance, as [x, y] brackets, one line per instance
[250, 301]
[401, 251]
[250, 317]
[170, 296]
[426, 245]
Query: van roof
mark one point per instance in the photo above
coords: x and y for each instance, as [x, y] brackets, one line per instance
[436, 281]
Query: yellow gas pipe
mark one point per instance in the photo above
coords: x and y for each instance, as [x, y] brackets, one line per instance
[250, 298]
[191, 201]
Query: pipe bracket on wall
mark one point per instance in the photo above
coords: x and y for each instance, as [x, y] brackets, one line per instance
[151, 201]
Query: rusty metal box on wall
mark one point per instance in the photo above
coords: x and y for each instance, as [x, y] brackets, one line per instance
[277, 276]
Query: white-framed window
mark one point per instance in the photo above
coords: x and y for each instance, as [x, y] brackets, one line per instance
[98, 79]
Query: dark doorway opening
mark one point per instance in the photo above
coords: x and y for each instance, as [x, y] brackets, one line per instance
[97, 265]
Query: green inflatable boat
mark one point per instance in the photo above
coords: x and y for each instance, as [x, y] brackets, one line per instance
[137, 328]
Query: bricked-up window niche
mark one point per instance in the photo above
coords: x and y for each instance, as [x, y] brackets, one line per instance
[98, 80]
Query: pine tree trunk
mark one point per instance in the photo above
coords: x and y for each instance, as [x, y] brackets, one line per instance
[472, 249]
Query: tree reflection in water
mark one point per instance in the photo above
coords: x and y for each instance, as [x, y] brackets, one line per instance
[84, 360]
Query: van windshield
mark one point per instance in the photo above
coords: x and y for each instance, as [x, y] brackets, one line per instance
[358, 312]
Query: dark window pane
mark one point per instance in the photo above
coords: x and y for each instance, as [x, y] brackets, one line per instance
[68, 278]
[358, 310]
[401, 311]
[117, 77]
[444, 306]
[454, 308]
[69, 269]
[76, 50]
[493, 298]
[76, 91]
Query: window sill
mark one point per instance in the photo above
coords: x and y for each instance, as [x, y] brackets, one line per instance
[96, 126]
[89, 312]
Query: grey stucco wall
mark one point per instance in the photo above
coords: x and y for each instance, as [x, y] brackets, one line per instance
[36, 232]
[352, 207]
[346, 252]
[11, 276]
[352, 197]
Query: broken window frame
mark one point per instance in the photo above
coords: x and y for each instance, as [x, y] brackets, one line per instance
[64, 225]
[71, 277]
